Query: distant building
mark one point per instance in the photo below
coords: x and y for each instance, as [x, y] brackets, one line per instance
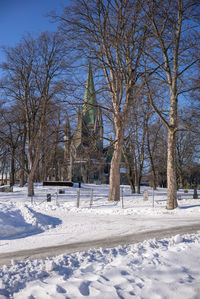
[83, 151]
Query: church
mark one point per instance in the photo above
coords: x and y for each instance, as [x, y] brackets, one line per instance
[84, 159]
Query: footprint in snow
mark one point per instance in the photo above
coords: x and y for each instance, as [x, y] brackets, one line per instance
[60, 289]
[84, 288]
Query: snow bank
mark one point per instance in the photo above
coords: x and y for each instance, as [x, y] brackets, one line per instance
[19, 221]
[166, 268]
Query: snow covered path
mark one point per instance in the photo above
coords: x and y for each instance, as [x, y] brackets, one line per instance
[44, 252]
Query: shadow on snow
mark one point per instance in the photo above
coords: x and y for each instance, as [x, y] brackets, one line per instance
[13, 225]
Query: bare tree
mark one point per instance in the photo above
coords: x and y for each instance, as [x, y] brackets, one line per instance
[112, 33]
[10, 133]
[137, 129]
[186, 154]
[33, 71]
[174, 26]
[154, 126]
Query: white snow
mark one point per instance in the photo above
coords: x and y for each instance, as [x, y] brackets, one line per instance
[156, 268]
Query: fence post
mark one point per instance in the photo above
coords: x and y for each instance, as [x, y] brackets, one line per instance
[91, 198]
[48, 197]
[78, 198]
[57, 195]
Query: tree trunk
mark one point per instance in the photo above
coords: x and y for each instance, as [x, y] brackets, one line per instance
[154, 181]
[22, 178]
[6, 178]
[22, 172]
[171, 172]
[131, 180]
[31, 184]
[180, 177]
[138, 183]
[2, 176]
[136, 173]
[3, 172]
[23, 159]
[138, 187]
[33, 167]
[12, 170]
[44, 169]
[114, 191]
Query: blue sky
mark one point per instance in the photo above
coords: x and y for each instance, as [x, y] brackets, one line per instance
[20, 16]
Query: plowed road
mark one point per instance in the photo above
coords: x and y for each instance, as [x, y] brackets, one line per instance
[43, 252]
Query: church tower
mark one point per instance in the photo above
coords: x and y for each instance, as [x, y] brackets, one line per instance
[86, 144]
[89, 120]
[90, 106]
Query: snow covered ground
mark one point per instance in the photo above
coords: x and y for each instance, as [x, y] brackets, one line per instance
[166, 268]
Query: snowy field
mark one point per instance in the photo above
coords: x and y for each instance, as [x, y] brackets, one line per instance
[156, 268]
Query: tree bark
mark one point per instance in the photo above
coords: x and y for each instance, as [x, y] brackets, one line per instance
[131, 182]
[138, 186]
[114, 191]
[171, 172]
[31, 184]
[22, 178]
[33, 166]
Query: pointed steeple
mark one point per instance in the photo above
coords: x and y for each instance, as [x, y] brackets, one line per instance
[90, 109]
[89, 129]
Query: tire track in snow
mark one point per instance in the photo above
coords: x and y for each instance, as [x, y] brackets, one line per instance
[44, 252]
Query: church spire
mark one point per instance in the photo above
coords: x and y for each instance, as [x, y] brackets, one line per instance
[90, 103]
